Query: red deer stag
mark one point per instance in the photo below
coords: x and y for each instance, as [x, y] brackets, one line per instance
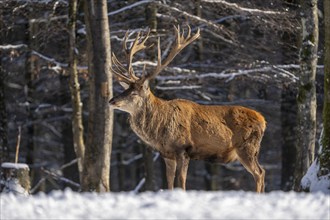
[182, 130]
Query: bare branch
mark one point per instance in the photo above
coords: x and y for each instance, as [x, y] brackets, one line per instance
[239, 8]
[228, 36]
[129, 7]
[13, 47]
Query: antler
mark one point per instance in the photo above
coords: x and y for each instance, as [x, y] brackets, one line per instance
[181, 43]
[138, 44]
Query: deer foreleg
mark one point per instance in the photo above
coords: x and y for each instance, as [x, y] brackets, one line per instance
[183, 163]
[170, 172]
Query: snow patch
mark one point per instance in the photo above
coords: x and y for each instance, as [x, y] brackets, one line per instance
[13, 186]
[314, 183]
[175, 204]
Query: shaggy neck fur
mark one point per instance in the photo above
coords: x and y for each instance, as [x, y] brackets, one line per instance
[155, 121]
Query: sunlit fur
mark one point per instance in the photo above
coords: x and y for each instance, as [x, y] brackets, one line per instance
[182, 130]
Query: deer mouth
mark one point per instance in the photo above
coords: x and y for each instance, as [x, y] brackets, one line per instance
[116, 104]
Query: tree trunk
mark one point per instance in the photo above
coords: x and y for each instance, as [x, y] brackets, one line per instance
[77, 125]
[199, 49]
[4, 151]
[149, 169]
[96, 170]
[151, 18]
[30, 71]
[15, 178]
[325, 153]
[306, 100]
[288, 124]
[212, 176]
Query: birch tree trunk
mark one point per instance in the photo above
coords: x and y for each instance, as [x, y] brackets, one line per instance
[96, 170]
[325, 153]
[306, 100]
[77, 125]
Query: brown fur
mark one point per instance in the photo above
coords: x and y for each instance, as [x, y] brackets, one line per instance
[202, 132]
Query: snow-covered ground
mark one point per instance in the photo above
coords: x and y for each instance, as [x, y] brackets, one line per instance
[175, 204]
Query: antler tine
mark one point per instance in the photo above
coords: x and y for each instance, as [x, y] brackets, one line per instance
[119, 73]
[138, 44]
[125, 41]
[120, 70]
[118, 64]
[189, 31]
[181, 43]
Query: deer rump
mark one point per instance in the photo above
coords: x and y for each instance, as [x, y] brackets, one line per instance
[202, 132]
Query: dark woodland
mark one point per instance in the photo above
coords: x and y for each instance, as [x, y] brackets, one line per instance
[248, 54]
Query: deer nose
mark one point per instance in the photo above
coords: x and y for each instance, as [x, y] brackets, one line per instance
[112, 101]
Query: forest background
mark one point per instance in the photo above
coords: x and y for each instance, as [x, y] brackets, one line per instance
[248, 54]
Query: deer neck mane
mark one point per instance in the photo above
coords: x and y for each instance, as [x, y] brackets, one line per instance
[149, 120]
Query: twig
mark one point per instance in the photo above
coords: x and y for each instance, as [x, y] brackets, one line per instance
[18, 143]
[69, 164]
[43, 179]
[139, 185]
[129, 7]
[58, 177]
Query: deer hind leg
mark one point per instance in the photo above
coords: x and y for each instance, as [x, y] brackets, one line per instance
[249, 159]
[183, 163]
[170, 172]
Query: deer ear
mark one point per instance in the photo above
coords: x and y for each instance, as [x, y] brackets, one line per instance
[124, 85]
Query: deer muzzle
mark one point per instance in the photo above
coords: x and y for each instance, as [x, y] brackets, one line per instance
[112, 101]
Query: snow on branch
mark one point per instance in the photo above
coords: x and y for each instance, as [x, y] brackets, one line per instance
[276, 71]
[214, 26]
[228, 74]
[129, 7]
[49, 19]
[178, 87]
[48, 59]
[13, 47]
[208, 23]
[237, 7]
[58, 65]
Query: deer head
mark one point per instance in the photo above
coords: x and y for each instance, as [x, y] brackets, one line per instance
[137, 88]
